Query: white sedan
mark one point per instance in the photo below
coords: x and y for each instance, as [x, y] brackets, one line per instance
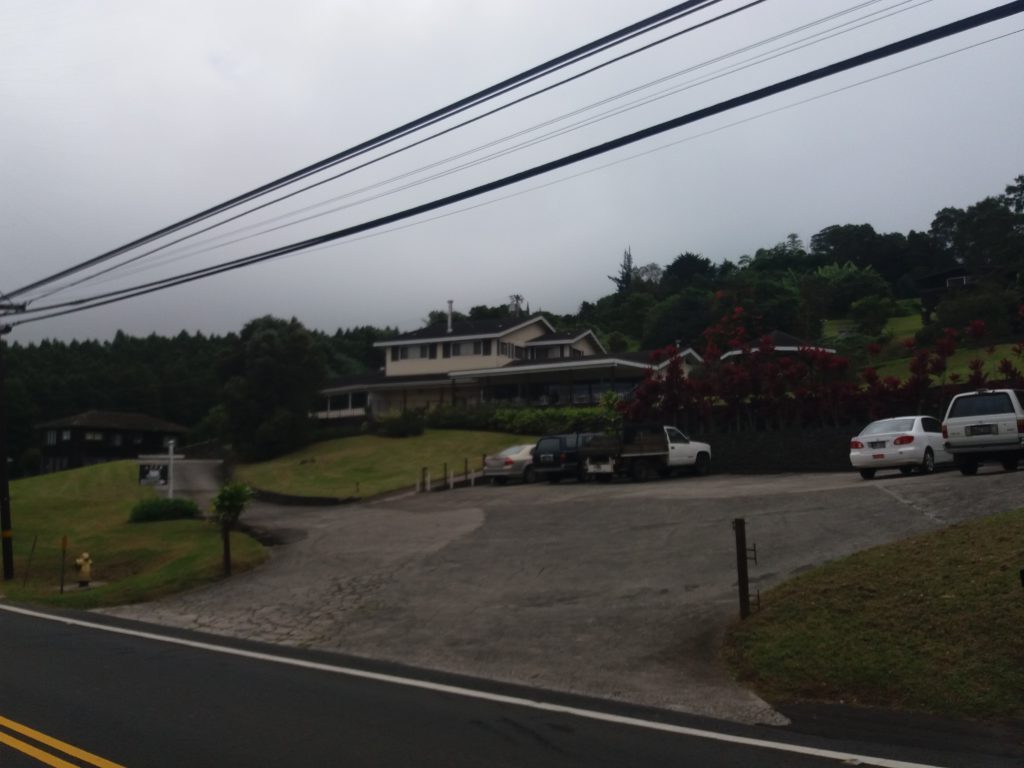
[906, 443]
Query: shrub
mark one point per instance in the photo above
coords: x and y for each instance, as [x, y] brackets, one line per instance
[153, 510]
[479, 417]
[405, 424]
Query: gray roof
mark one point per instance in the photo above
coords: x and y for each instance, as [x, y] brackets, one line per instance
[129, 422]
[464, 328]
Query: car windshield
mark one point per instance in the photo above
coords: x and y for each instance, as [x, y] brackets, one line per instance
[888, 425]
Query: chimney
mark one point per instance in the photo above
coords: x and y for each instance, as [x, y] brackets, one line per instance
[450, 302]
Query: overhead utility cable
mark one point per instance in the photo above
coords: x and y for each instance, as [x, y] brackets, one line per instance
[559, 62]
[915, 41]
[476, 118]
[290, 219]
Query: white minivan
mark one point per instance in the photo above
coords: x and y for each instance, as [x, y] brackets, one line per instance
[985, 426]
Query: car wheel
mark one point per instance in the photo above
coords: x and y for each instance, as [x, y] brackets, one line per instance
[1010, 465]
[867, 474]
[529, 476]
[703, 465]
[969, 468]
[928, 464]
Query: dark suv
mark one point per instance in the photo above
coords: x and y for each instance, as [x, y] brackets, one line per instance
[985, 426]
[558, 456]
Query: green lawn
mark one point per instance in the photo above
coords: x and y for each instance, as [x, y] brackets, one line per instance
[930, 624]
[131, 561]
[899, 328]
[367, 465]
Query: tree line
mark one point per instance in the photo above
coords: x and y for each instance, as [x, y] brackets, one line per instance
[254, 388]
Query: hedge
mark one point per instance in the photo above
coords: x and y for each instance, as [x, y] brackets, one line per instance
[153, 510]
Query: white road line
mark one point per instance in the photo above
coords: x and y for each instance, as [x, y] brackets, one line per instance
[846, 757]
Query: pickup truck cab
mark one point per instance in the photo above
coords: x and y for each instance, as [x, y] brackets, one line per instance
[642, 451]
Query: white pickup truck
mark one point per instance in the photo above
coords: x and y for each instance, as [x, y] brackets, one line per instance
[643, 451]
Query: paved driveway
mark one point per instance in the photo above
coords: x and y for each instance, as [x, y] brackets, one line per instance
[620, 591]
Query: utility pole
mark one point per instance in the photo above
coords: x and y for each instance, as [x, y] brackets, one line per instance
[5, 490]
[6, 541]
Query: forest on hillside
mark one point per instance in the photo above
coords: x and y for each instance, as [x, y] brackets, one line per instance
[236, 384]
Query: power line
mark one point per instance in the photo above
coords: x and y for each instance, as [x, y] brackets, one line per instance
[559, 62]
[877, 54]
[750, 62]
[419, 142]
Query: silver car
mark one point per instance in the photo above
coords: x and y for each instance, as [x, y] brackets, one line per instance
[513, 463]
[906, 443]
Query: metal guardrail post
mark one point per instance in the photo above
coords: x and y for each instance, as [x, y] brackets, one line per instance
[739, 525]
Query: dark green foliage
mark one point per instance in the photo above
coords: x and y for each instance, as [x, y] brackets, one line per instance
[523, 420]
[273, 374]
[995, 305]
[405, 424]
[680, 318]
[228, 505]
[871, 313]
[154, 510]
[624, 279]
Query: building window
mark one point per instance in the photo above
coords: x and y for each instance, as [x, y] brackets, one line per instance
[51, 437]
[94, 437]
[417, 352]
[358, 399]
[116, 439]
[65, 435]
[394, 354]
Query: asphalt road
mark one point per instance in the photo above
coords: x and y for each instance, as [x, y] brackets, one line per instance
[128, 699]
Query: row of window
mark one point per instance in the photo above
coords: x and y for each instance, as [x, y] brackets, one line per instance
[465, 348]
[343, 402]
[115, 439]
[448, 349]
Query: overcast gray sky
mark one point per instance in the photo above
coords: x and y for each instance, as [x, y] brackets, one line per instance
[123, 116]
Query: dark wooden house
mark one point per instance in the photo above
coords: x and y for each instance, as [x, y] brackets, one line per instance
[94, 437]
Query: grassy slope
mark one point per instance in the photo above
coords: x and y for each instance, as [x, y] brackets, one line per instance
[376, 464]
[929, 624]
[134, 561]
[904, 327]
[957, 363]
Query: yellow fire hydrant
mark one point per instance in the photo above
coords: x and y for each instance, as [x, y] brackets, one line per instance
[84, 565]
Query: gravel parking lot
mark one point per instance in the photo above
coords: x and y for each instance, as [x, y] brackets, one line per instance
[619, 591]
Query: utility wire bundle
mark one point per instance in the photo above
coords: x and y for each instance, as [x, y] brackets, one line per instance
[260, 219]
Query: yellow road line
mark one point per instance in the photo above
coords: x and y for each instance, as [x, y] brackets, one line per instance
[38, 754]
[49, 741]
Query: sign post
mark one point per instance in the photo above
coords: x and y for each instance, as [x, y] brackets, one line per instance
[170, 469]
